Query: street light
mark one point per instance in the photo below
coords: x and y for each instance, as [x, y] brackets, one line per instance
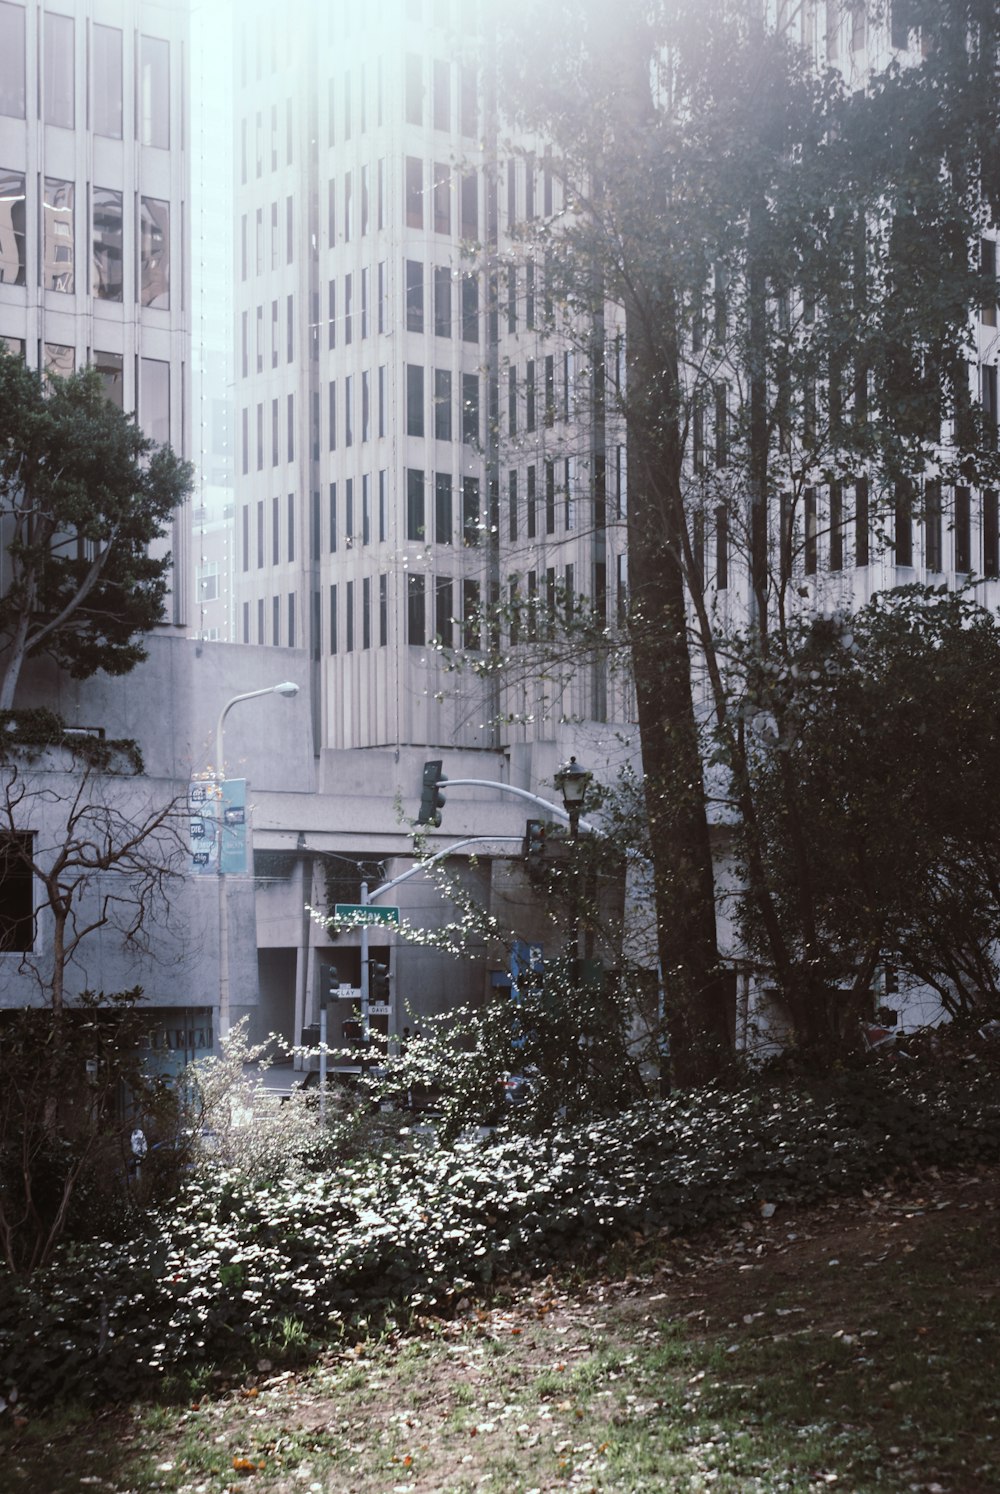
[572, 781]
[287, 688]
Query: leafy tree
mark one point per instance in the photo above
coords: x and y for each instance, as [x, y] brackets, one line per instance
[83, 496]
[792, 262]
[883, 731]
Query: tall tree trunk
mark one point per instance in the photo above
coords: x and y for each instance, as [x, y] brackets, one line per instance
[683, 872]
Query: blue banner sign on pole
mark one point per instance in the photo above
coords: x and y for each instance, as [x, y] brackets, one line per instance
[204, 806]
[233, 840]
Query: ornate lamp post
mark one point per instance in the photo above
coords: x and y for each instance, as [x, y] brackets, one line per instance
[572, 781]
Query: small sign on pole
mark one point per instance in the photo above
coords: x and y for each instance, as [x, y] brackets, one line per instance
[360, 914]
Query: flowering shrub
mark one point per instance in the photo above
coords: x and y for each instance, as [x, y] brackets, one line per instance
[221, 1275]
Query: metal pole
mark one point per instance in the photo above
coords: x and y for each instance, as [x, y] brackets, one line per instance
[322, 1061]
[366, 1030]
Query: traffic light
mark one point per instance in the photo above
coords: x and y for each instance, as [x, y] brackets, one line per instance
[329, 982]
[534, 839]
[378, 981]
[431, 798]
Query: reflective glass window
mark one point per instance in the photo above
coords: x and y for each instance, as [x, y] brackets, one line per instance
[106, 245]
[110, 366]
[107, 96]
[12, 60]
[154, 254]
[60, 93]
[58, 261]
[154, 92]
[12, 208]
[154, 399]
[59, 359]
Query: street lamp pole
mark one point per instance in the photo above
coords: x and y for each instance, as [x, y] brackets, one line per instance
[286, 688]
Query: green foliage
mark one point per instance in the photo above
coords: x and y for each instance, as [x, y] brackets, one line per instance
[25, 734]
[63, 1159]
[85, 495]
[873, 744]
[237, 1262]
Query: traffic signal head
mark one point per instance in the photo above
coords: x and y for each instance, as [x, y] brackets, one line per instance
[330, 982]
[534, 839]
[378, 981]
[431, 798]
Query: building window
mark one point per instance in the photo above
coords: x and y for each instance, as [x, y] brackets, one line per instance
[291, 427]
[291, 620]
[414, 399]
[529, 395]
[836, 527]
[276, 621]
[442, 404]
[383, 611]
[472, 621]
[414, 90]
[442, 302]
[470, 308]
[903, 525]
[106, 262]
[106, 99]
[442, 198]
[154, 254]
[988, 267]
[861, 522]
[383, 500]
[414, 192]
[470, 409]
[468, 101]
[414, 295]
[415, 522]
[333, 619]
[991, 533]
[721, 549]
[154, 92]
[809, 519]
[442, 509]
[17, 911]
[366, 612]
[348, 309]
[366, 509]
[290, 526]
[932, 526]
[12, 243]
[470, 205]
[416, 610]
[512, 505]
[444, 607]
[12, 93]
[471, 532]
[349, 618]
[60, 91]
[963, 530]
[58, 236]
[331, 517]
[512, 401]
[442, 95]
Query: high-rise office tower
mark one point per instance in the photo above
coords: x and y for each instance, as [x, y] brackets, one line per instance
[93, 201]
[410, 447]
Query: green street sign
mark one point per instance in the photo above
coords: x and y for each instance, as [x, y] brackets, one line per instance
[365, 913]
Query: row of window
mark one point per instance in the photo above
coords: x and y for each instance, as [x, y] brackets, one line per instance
[104, 105]
[833, 516]
[357, 512]
[151, 380]
[58, 258]
[830, 516]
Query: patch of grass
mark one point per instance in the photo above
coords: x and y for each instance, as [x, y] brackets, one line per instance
[849, 1347]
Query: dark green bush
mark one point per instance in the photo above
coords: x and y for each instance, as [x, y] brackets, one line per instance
[216, 1277]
